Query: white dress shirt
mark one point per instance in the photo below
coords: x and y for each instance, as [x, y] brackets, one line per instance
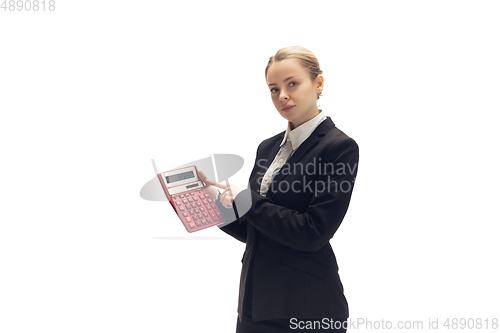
[291, 141]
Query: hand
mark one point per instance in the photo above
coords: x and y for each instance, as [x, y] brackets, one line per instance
[227, 196]
[211, 190]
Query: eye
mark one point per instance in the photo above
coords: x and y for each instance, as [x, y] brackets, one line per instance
[274, 90]
[293, 83]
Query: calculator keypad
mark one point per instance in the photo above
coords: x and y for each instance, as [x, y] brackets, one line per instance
[196, 209]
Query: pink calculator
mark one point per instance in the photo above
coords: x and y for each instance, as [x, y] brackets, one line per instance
[190, 198]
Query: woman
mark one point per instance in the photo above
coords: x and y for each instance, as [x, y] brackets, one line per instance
[299, 191]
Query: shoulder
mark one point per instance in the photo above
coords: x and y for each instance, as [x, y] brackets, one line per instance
[337, 145]
[337, 138]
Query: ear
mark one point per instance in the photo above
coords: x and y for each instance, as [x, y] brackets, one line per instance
[320, 83]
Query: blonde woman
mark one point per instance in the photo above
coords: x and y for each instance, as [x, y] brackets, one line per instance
[299, 191]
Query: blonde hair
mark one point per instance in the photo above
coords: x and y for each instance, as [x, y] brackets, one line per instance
[305, 58]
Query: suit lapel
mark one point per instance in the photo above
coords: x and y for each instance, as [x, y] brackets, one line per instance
[254, 184]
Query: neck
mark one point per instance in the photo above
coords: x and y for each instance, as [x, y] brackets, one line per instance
[292, 125]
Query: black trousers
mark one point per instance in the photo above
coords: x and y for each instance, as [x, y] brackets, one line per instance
[247, 325]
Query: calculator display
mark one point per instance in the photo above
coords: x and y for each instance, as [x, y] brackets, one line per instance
[180, 176]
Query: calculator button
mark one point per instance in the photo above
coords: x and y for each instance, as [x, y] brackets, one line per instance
[205, 214]
[192, 225]
[191, 212]
[205, 202]
[190, 200]
[200, 216]
[178, 203]
[197, 222]
[185, 214]
[208, 207]
[207, 196]
[213, 215]
[196, 210]
[188, 219]
[185, 201]
[210, 200]
[202, 197]
[199, 204]
[182, 208]
[202, 209]
[204, 221]
[214, 206]
[195, 217]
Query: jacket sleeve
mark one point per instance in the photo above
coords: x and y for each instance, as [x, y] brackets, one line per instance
[233, 226]
[312, 229]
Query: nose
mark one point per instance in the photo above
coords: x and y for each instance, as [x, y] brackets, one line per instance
[283, 95]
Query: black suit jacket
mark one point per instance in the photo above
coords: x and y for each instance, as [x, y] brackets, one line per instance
[287, 232]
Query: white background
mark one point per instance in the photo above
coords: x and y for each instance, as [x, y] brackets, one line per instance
[91, 92]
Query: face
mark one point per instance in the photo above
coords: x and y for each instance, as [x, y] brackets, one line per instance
[293, 92]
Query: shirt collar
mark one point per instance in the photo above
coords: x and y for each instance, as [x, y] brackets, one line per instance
[301, 133]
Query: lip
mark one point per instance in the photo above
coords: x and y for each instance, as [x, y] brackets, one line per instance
[288, 108]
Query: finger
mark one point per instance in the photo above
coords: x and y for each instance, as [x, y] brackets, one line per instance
[219, 185]
[204, 179]
[202, 176]
[226, 199]
[226, 203]
[227, 194]
[229, 189]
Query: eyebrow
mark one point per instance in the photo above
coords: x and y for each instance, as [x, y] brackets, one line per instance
[273, 84]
